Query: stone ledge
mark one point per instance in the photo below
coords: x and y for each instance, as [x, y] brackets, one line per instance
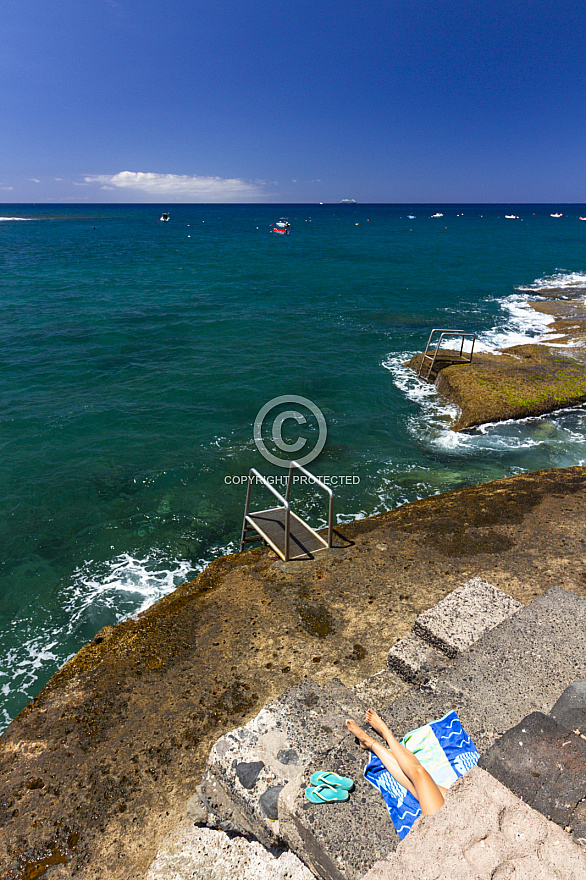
[459, 620]
[452, 626]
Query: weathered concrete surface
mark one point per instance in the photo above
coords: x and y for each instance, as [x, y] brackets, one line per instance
[570, 709]
[483, 832]
[520, 666]
[99, 768]
[544, 764]
[459, 620]
[252, 763]
[449, 628]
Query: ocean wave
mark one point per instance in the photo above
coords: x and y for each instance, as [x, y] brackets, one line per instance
[41, 639]
[17, 218]
[518, 325]
[571, 282]
[124, 586]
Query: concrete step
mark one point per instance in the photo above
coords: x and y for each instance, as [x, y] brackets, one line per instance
[519, 667]
[450, 627]
[249, 767]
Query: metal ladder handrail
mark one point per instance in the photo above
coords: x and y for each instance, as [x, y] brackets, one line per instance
[444, 333]
[253, 473]
[284, 501]
[323, 486]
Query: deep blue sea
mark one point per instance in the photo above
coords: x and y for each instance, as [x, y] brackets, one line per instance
[135, 356]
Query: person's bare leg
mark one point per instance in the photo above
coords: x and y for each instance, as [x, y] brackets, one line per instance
[430, 795]
[413, 775]
[386, 757]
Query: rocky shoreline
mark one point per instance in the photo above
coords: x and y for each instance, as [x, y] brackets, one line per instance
[522, 380]
[97, 770]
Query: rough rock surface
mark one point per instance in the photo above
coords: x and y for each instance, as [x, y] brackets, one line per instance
[97, 770]
[570, 709]
[192, 853]
[544, 764]
[513, 383]
[483, 832]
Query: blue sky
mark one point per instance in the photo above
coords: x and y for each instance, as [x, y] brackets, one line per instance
[292, 101]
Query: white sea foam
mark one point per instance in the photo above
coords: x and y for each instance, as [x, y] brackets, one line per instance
[125, 585]
[98, 593]
[573, 282]
[17, 218]
[518, 325]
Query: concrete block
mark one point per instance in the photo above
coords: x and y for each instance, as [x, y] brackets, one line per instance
[189, 853]
[483, 832]
[338, 841]
[543, 763]
[413, 659]
[249, 767]
[457, 621]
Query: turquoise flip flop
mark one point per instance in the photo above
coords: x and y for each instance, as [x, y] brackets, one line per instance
[325, 794]
[328, 777]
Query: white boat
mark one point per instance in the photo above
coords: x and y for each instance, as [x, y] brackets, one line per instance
[581, 218]
[164, 218]
[511, 216]
[347, 201]
[556, 215]
[281, 227]
[437, 215]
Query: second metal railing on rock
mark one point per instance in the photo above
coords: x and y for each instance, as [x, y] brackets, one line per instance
[432, 355]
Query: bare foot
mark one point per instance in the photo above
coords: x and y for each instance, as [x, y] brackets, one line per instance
[377, 723]
[363, 738]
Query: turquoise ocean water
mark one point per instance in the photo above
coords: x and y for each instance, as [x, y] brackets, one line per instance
[135, 356]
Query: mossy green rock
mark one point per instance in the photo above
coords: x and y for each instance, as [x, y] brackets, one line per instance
[521, 381]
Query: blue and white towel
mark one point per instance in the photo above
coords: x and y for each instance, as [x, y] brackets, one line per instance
[445, 750]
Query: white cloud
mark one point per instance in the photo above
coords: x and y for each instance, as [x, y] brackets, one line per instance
[34, 180]
[196, 188]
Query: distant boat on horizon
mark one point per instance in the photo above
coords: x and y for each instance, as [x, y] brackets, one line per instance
[511, 216]
[556, 215]
[347, 201]
[164, 218]
[437, 215]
